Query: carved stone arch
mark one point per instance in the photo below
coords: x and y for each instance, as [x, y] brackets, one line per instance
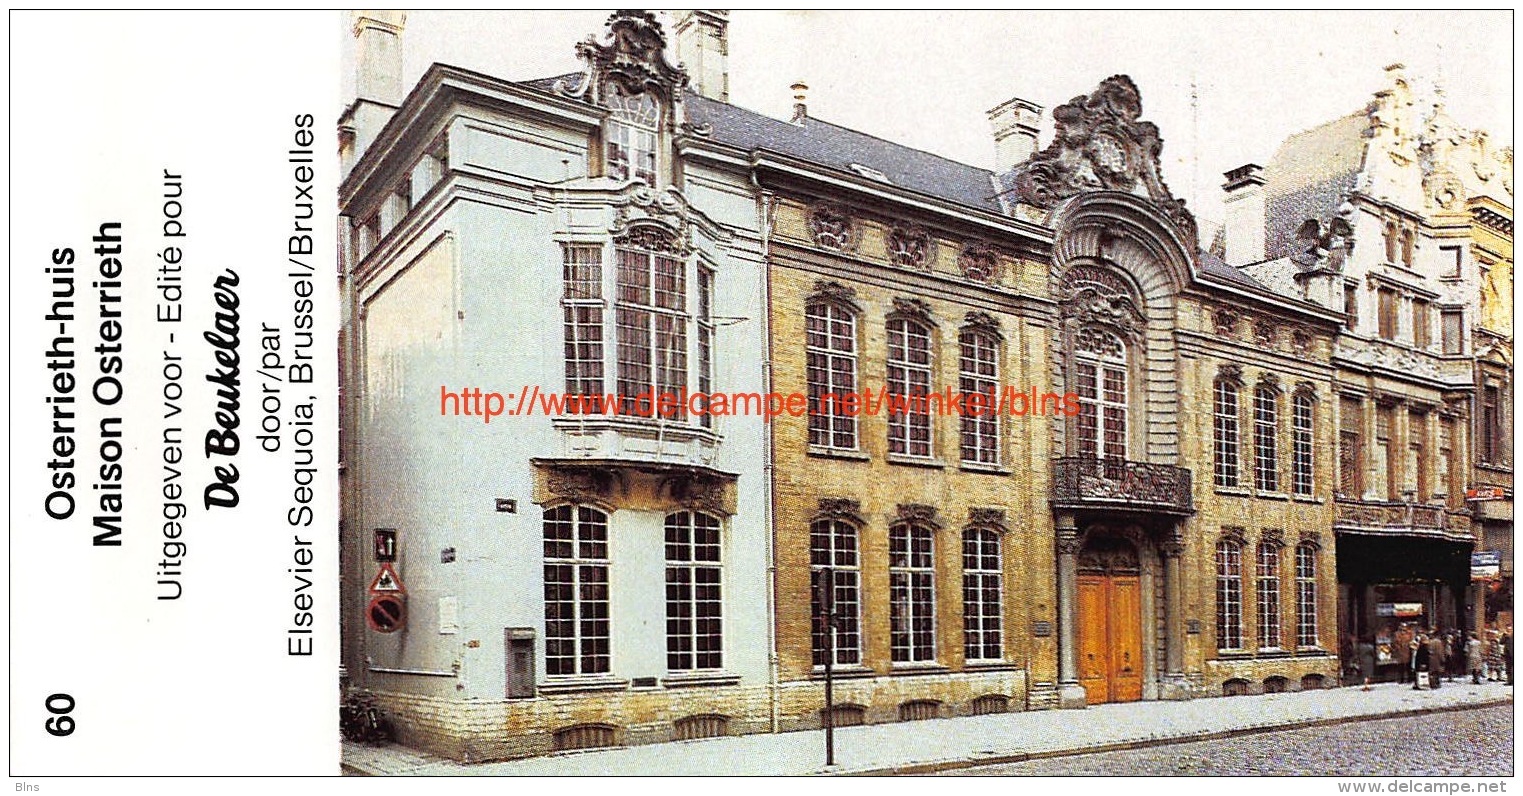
[982, 323]
[912, 309]
[591, 501]
[1112, 549]
[987, 519]
[1129, 232]
[1305, 389]
[1272, 537]
[652, 235]
[1232, 533]
[1230, 373]
[1091, 293]
[920, 514]
[834, 293]
[1311, 539]
[845, 509]
[1268, 381]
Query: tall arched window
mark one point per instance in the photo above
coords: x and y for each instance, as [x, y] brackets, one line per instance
[831, 345]
[1225, 431]
[833, 545]
[982, 613]
[1301, 443]
[911, 593]
[1306, 595]
[694, 635]
[978, 375]
[1229, 595]
[576, 590]
[1268, 595]
[632, 136]
[1101, 383]
[909, 385]
[1266, 420]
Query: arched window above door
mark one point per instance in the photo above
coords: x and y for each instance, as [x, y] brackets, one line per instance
[1100, 380]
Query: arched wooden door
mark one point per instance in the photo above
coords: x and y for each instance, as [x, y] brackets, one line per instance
[1110, 620]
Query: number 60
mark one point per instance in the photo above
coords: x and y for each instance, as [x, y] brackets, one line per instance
[59, 705]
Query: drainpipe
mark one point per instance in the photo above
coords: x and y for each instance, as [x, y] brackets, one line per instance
[766, 202]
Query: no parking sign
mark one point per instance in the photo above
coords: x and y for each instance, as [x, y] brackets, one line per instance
[387, 612]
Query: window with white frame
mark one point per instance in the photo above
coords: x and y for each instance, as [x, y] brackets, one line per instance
[576, 591]
[909, 384]
[1301, 444]
[982, 596]
[705, 324]
[1225, 420]
[1229, 595]
[651, 311]
[582, 307]
[1266, 420]
[1100, 375]
[833, 548]
[1306, 595]
[912, 593]
[632, 137]
[694, 634]
[978, 375]
[831, 347]
[1268, 595]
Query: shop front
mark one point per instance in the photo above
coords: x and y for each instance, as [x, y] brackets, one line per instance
[1392, 587]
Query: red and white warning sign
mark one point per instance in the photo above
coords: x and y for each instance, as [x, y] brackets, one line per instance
[387, 582]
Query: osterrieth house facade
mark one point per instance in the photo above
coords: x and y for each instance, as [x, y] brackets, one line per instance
[609, 578]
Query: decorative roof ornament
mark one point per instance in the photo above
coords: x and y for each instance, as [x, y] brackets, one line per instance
[632, 62]
[1327, 245]
[1101, 145]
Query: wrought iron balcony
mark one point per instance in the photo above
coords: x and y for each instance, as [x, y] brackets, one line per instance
[1401, 518]
[1080, 483]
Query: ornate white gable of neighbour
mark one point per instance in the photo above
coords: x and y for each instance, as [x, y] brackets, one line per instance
[1101, 145]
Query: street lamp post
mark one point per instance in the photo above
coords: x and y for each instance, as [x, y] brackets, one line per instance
[826, 586]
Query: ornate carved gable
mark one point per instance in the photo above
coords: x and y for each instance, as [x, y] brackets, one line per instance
[1101, 145]
[632, 62]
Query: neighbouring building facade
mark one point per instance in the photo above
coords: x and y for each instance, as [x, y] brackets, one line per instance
[1143, 498]
[1402, 220]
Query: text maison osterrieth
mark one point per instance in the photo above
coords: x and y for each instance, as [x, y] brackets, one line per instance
[285, 361]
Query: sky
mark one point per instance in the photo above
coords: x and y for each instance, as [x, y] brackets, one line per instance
[925, 79]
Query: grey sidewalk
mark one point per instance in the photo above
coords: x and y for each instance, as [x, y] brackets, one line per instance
[945, 743]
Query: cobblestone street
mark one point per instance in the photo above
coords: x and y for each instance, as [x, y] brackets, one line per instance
[1477, 742]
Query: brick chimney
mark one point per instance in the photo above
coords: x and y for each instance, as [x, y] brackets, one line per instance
[703, 46]
[1015, 122]
[378, 81]
[1244, 228]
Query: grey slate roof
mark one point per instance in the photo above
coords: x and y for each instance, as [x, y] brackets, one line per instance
[826, 144]
[833, 146]
[1216, 266]
[1308, 177]
[838, 147]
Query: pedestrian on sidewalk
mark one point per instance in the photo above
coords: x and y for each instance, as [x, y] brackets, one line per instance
[1475, 657]
[1419, 661]
[1401, 650]
[1438, 659]
[1507, 654]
